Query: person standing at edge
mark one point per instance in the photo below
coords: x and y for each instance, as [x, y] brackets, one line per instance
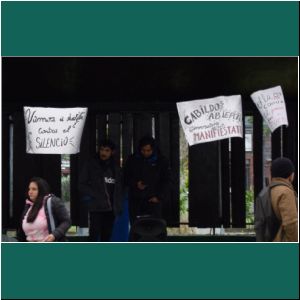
[284, 200]
[147, 176]
[100, 185]
[44, 218]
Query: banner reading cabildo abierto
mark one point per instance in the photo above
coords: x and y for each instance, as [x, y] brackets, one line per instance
[211, 119]
[54, 130]
[270, 103]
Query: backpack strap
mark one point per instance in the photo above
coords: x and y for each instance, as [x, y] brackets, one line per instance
[49, 208]
[276, 183]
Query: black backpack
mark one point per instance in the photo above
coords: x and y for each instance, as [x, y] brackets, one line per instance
[148, 229]
[266, 223]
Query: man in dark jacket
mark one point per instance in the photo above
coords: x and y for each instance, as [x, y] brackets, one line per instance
[147, 175]
[100, 184]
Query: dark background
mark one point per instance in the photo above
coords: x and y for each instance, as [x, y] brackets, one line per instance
[133, 90]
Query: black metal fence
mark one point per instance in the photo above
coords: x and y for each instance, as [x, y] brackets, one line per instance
[216, 175]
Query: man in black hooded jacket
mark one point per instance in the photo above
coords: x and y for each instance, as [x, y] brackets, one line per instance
[147, 176]
[100, 184]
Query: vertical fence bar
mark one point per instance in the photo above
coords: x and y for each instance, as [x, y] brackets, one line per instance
[114, 133]
[204, 185]
[258, 153]
[238, 186]
[225, 183]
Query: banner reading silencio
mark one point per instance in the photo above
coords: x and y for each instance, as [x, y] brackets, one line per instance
[54, 130]
[211, 119]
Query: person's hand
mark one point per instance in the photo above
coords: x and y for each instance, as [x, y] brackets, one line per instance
[154, 200]
[140, 185]
[50, 238]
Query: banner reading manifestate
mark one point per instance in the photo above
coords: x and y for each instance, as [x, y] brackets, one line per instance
[54, 130]
[270, 103]
[211, 119]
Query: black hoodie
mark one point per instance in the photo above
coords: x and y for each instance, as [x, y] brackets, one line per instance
[153, 171]
[101, 181]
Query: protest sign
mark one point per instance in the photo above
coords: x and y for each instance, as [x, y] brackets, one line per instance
[271, 104]
[211, 119]
[54, 130]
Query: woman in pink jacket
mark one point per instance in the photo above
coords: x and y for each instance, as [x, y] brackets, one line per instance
[45, 218]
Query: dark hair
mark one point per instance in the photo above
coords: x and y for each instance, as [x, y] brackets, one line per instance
[107, 143]
[147, 140]
[282, 167]
[43, 190]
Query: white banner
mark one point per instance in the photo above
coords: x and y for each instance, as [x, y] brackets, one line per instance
[54, 130]
[211, 119]
[271, 105]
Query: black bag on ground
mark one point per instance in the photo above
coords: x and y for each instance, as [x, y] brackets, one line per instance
[266, 223]
[148, 229]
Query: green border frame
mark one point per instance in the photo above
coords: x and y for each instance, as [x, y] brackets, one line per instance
[193, 270]
[150, 28]
[140, 271]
